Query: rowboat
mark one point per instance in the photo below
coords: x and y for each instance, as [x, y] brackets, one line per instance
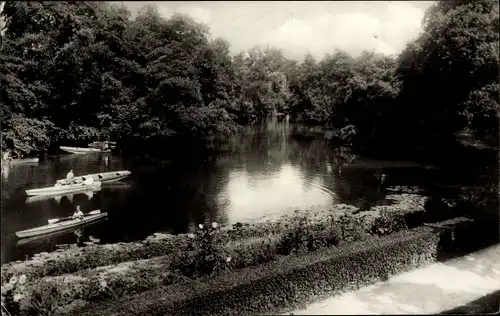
[44, 237]
[20, 161]
[63, 189]
[62, 225]
[105, 177]
[111, 145]
[83, 150]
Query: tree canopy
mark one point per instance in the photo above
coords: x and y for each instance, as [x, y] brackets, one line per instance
[80, 71]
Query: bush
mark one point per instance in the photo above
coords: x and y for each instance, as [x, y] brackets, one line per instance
[205, 255]
[388, 223]
[304, 236]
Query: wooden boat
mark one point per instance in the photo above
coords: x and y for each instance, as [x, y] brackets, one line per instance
[104, 177]
[83, 150]
[44, 237]
[99, 145]
[62, 225]
[21, 161]
[63, 189]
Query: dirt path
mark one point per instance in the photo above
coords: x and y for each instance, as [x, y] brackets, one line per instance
[429, 290]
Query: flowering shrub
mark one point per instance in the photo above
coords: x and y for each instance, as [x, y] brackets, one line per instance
[205, 254]
[12, 293]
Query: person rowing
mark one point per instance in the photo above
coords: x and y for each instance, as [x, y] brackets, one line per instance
[78, 214]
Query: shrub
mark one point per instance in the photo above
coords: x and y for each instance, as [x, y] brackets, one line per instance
[388, 223]
[304, 236]
[204, 255]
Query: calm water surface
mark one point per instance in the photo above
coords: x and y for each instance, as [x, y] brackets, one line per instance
[266, 170]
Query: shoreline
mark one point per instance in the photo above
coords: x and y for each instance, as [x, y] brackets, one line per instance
[160, 244]
[98, 274]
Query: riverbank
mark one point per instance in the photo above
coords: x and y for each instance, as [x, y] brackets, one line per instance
[77, 277]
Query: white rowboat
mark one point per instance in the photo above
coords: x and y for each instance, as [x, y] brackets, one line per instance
[105, 177]
[83, 150]
[111, 145]
[64, 189]
[43, 237]
[62, 225]
[20, 161]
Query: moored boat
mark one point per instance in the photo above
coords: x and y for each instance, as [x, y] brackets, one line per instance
[100, 145]
[104, 177]
[61, 225]
[83, 150]
[20, 161]
[63, 189]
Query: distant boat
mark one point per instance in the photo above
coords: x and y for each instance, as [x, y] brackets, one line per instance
[63, 189]
[21, 161]
[104, 177]
[83, 150]
[100, 145]
[61, 225]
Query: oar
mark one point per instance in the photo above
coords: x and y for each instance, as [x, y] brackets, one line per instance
[55, 220]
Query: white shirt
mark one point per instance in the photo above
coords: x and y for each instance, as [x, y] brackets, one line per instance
[78, 214]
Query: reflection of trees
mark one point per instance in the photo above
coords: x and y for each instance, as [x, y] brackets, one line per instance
[263, 148]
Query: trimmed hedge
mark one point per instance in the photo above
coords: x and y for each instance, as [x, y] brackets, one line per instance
[74, 258]
[289, 282]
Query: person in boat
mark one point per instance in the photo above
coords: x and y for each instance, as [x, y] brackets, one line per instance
[70, 177]
[78, 214]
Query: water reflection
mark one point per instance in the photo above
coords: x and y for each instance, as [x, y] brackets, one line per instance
[260, 193]
[262, 171]
[70, 197]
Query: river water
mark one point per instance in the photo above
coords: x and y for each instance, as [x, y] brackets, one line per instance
[268, 169]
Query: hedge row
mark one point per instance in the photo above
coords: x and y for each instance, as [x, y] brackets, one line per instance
[288, 283]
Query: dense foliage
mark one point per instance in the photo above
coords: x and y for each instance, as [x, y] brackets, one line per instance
[73, 72]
